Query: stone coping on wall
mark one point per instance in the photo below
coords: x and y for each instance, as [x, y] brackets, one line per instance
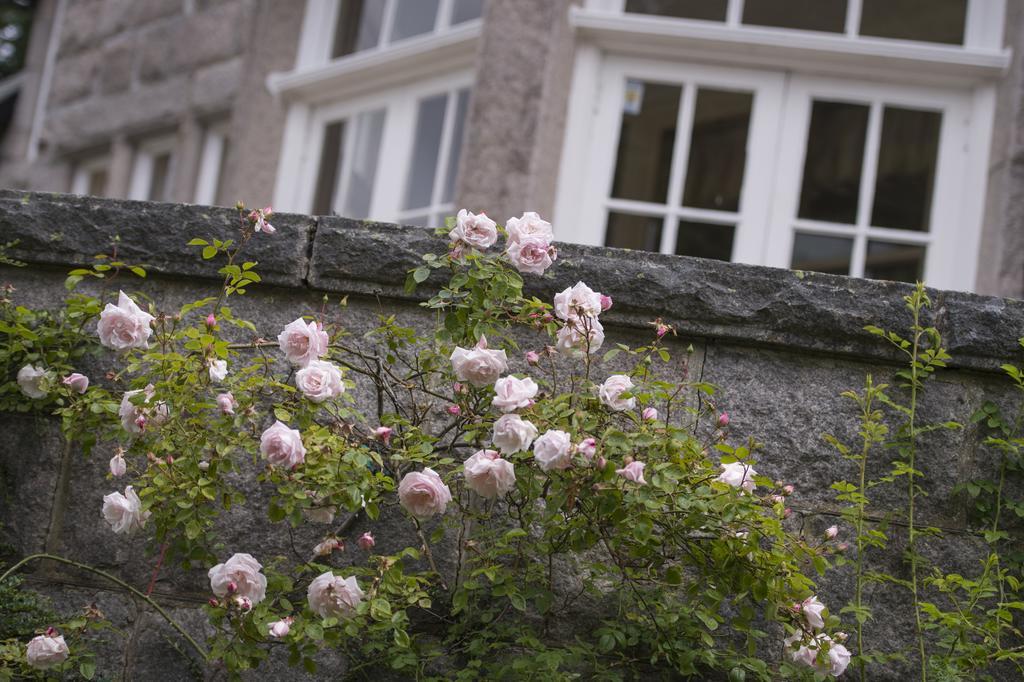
[704, 298]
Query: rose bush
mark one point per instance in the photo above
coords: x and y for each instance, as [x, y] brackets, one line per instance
[612, 531]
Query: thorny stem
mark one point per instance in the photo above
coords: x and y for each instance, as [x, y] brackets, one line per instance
[85, 567]
[430, 555]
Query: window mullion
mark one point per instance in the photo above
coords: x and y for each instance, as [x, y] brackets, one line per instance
[865, 199]
[734, 13]
[680, 155]
[444, 15]
[389, 21]
[853, 8]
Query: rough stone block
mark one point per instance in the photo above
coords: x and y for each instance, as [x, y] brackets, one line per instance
[212, 36]
[29, 471]
[75, 76]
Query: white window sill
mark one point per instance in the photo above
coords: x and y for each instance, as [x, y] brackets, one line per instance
[798, 51]
[408, 61]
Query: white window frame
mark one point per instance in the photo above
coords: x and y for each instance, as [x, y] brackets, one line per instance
[211, 162]
[401, 108]
[983, 25]
[146, 152]
[950, 249]
[589, 226]
[84, 169]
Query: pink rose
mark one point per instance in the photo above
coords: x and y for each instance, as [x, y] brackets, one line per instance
[423, 494]
[32, 381]
[227, 403]
[577, 301]
[512, 433]
[302, 343]
[831, 532]
[135, 418]
[282, 447]
[479, 365]
[649, 414]
[634, 471]
[812, 608]
[330, 595]
[581, 334]
[477, 230]
[76, 382]
[587, 448]
[610, 393]
[532, 255]
[124, 325]
[530, 225]
[807, 653]
[606, 302]
[218, 370]
[258, 219]
[46, 651]
[124, 512]
[512, 393]
[383, 434]
[532, 357]
[281, 628]
[488, 475]
[118, 466]
[552, 450]
[366, 541]
[738, 475]
[243, 572]
[319, 381]
[723, 420]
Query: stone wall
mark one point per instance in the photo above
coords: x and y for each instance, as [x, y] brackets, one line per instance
[781, 346]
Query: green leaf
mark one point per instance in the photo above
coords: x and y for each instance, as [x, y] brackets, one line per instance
[209, 252]
[87, 668]
[197, 242]
[420, 274]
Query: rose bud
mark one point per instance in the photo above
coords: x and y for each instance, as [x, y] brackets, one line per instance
[454, 410]
[787, 512]
[366, 541]
[649, 414]
[788, 490]
[76, 382]
[842, 547]
[281, 628]
[213, 602]
[606, 302]
[831, 532]
[118, 466]
[723, 420]
[204, 465]
[211, 321]
[232, 587]
[383, 434]
[243, 603]
[532, 357]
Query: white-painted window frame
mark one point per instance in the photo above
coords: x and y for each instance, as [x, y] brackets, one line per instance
[401, 108]
[140, 182]
[80, 179]
[211, 163]
[983, 26]
[588, 227]
[946, 240]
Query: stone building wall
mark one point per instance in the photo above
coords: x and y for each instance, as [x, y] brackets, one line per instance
[780, 345]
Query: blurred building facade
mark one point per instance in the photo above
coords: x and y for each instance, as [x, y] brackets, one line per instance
[876, 138]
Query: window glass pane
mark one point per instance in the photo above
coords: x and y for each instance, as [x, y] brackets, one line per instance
[97, 183]
[358, 27]
[634, 232]
[416, 221]
[822, 254]
[458, 132]
[906, 168]
[646, 137]
[159, 186]
[704, 240]
[330, 162]
[718, 150]
[832, 166]
[413, 18]
[895, 262]
[466, 10]
[365, 150]
[711, 10]
[807, 15]
[426, 149]
[934, 21]
[219, 191]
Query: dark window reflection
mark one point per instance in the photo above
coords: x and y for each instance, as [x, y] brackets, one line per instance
[646, 139]
[821, 253]
[895, 262]
[807, 15]
[639, 232]
[710, 10]
[832, 165]
[906, 169]
[705, 240]
[358, 27]
[718, 150]
[933, 21]
[330, 162]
